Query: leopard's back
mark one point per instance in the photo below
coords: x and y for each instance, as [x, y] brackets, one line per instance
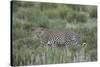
[57, 38]
[63, 38]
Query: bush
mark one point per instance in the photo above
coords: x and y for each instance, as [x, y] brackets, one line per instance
[82, 17]
[52, 14]
[93, 13]
[57, 24]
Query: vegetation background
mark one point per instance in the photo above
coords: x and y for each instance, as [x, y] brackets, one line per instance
[26, 50]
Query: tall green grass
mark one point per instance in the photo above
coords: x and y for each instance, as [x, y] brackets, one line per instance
[47, 55]
[27, 49]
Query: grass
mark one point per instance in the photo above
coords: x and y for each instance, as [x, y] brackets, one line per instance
[27, 48]
[45, 55]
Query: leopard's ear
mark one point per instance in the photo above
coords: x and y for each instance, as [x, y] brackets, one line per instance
[33, 28]
[42, 28]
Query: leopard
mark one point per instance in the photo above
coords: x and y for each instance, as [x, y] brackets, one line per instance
[56, 38]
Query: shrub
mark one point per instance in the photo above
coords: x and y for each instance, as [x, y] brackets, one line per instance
[93, 13]
[82, 17]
